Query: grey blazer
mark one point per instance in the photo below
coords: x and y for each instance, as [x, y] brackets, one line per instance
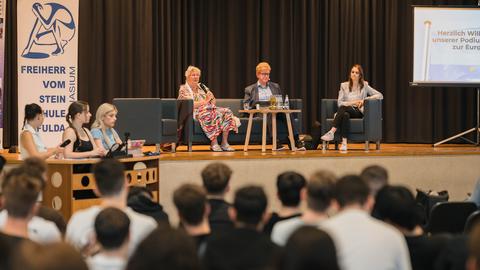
[251, 92]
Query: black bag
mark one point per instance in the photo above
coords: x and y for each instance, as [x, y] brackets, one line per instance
[427, 199]
[315, 137]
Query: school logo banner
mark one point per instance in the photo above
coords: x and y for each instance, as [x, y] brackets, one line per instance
[47, 34]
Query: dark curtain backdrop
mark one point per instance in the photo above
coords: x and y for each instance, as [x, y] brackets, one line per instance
[141, 48]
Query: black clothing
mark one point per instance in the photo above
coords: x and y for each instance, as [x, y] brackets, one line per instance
[274, 218]
[454, 255]
[143, 205]
[424, 250]
[8, 247]
[342, 117]
[218, 218]
[240, 249]
[82, 146]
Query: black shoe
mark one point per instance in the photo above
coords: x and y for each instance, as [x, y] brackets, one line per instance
[280, 146]
[299, 145]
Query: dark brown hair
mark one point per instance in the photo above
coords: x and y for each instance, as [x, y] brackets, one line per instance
[360, 80]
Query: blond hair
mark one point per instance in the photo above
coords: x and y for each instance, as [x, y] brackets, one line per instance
[102, 111]
[191, 69]
[261, 66]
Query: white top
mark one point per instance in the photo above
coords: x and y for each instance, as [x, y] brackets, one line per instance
[345, 96]
[282, 230]
[81, 231]
[37, 140]
[40, 230]
[102, 262]
[363, 242]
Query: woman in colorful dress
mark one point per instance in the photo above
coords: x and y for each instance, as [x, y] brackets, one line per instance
[213, 120]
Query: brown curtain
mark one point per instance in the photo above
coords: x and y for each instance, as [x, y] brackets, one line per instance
[141, 48]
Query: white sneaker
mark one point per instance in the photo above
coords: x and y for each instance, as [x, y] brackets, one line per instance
[343, 147]
[327, 136]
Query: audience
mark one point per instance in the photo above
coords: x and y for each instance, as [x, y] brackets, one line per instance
[20, 193]
[363, 242]
[396, 206]
[309, 248]
[289, 186]
[56, 256]
[376, 177]
[40, 230]
[319, 197]
[245, 246]
[193, 209]
[216, 178]
[167, 249]
[112, 188]
[112, 228]
[140, 199]
[473, 262]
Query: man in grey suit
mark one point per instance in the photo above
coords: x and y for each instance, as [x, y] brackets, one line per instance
[260, 93]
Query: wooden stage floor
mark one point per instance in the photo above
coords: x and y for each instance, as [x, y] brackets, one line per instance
[202, 152]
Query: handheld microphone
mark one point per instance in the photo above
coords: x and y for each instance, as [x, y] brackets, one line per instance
[65, 143]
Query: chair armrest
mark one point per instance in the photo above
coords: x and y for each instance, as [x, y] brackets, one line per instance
[169, 108]
[185, 120]
[372, 117]
[328, 109]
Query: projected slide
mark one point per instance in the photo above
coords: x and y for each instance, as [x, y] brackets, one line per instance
[446, 45]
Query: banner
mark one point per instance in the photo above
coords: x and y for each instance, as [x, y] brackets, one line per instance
[47, 34]
[3, 8]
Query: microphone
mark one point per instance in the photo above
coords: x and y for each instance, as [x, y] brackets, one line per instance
[204, 87]
[65, 143]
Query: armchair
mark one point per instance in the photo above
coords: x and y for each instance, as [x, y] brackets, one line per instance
[367, 129]
[151, 119]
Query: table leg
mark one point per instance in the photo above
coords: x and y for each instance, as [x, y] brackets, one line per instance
[290, 132]
[264, 132]
[274, 131]
[249, 130]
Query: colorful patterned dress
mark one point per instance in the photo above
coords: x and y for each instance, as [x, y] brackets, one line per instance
[213, 120]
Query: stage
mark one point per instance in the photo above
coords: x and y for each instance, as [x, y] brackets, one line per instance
[451, 167]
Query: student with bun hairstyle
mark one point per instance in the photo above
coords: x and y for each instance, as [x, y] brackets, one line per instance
[31, 144]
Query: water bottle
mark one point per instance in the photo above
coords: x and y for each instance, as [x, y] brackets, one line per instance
[286, 103]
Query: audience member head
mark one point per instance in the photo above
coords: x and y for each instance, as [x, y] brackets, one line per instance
[20, 193]
[289, 187]
[191, 203]
[36, 167]
[351, 190]
[396, 205]
[320, 191]
[33, 115]
[376, 177]
[3, 161]
[309, 248]
[473, 262]
[112, 227]
[109, 177]
[58, 256]
[168, 248]
[216, 177]
[249, 206]
[134, 191]
[53, 216]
